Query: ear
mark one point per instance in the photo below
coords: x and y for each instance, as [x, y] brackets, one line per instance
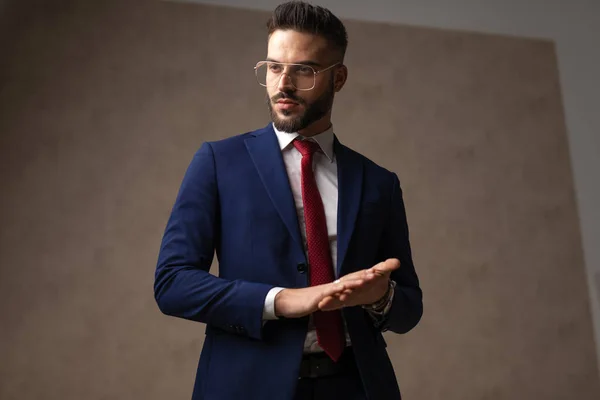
[340, 77]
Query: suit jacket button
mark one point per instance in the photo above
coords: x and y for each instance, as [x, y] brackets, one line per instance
[301, 268]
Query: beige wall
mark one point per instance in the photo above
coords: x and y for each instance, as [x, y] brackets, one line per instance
[573, 26]
[102, 105]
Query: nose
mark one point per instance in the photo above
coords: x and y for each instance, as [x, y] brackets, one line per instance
[285, 83]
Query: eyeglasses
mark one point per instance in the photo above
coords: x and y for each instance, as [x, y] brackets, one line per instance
[302, 77]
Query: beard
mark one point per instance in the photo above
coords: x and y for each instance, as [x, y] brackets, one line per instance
[312, 111]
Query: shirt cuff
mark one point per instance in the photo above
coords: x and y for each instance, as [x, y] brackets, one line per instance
[269, 308]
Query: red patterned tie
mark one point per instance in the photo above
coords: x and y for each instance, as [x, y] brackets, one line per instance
[330, 331]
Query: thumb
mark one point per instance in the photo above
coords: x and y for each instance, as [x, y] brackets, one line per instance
[387, 266]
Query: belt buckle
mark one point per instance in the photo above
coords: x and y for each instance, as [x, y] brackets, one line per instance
[320, 365]
[314, 367]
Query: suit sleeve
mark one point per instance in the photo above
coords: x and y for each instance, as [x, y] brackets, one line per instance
[183, 286]
[407, 304]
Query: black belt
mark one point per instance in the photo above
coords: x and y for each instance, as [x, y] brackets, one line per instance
[317, 365]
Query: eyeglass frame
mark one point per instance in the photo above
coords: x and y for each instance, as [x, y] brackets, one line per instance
[315, 72]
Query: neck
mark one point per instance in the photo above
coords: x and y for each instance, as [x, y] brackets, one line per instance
[317, 127]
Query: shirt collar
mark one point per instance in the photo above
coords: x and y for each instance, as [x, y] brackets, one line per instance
[323, 139]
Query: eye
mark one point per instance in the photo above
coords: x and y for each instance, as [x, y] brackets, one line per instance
[305, 70]
[274, 67]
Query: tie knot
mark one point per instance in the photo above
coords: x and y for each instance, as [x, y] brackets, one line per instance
[306, 147]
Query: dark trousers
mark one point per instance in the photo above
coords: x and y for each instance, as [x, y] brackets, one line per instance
[340, 382]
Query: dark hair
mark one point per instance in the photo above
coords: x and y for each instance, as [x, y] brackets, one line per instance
[303, 17]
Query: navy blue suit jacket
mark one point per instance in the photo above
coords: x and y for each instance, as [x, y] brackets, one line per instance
[235, 199]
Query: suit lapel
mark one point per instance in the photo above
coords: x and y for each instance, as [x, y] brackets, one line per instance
[350, 181]
[266, 156]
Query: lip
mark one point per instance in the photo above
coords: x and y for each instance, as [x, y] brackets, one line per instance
[286, 104]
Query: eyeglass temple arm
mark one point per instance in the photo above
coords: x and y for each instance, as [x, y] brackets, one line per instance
[325, 69]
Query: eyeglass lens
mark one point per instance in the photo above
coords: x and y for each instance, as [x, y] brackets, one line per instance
[302, 76]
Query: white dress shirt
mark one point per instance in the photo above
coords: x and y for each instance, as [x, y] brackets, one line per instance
[325, 171]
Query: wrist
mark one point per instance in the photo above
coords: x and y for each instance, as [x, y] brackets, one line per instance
[384, 301]
[278, 303]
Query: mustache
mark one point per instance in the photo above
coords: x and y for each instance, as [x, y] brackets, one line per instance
[289, 96]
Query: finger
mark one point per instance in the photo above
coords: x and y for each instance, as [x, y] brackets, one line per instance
[331, 289]
[348, 285]
[387, 266]
[357, 284]
[354, 283]
[370, 275]
[366, 277]
[329, 303]
[353, 277]
[324, 303]
[333, 305]
[346, 292]
[335, 289]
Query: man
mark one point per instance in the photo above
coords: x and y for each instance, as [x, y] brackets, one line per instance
[311, 238]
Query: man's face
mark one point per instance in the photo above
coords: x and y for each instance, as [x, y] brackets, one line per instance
[293, 110]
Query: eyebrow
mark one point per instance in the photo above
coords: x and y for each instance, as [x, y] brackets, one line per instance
[305, 62]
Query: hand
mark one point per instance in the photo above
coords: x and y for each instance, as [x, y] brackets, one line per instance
[369, 286]
[296, 303]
